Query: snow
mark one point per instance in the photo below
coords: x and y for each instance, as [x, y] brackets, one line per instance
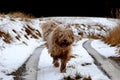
[74, 66]
[14, 54]
[104, 49]
[9, 59]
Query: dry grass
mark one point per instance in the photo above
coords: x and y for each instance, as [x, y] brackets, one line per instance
[113, 38]
[17, 14]
[2, 14]
[93, 36]
[18, 73]
[32, 32]
[6, 37]
[115, 58]
[18, 37]
[77, 77]
[89, 78]
[20, 14]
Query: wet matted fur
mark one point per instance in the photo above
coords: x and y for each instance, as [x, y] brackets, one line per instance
[59, 41]
[47, 28]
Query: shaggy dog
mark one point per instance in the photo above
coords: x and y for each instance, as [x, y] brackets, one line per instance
[47, 28]
[58, 40]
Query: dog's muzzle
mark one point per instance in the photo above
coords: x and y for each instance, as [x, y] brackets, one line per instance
[64, 43]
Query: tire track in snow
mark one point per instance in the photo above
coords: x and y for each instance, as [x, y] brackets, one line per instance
[32, 65]
[109, 67]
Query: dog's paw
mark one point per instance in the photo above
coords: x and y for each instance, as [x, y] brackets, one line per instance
[63, 70]
[56, 64]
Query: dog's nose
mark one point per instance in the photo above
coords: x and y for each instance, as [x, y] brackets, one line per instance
[65, 41]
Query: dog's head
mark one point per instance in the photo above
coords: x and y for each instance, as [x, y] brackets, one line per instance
[63, 37]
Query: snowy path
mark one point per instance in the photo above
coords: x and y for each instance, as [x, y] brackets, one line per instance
[108, 66]
[32, 65]
[83, 65]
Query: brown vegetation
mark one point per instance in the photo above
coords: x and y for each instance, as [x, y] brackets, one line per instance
[77, 77]
[2, 14]
[33, 32]
[18, 37]
[115, 58]
[93, 36]
[113, 38]
[6, 37]
[17, 14]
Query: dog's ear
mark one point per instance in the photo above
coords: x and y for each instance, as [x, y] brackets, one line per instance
[68, 26]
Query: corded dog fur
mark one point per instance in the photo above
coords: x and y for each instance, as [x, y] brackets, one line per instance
[58, 40]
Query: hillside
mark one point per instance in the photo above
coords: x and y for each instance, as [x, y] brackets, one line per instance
[20, 36]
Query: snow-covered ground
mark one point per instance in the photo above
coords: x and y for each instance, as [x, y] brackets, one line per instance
[104, 49]
[82, 65]
[14, 54]
[26, 37]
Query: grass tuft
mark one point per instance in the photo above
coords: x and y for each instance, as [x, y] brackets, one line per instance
[6, 37]
[93, 36]
[18, 37]
[113, 37]
[89, 78]
[68, 78]
[77, 77]
[33, 32]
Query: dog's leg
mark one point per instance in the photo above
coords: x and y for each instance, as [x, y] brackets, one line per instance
[63, 65]
[55, 62]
